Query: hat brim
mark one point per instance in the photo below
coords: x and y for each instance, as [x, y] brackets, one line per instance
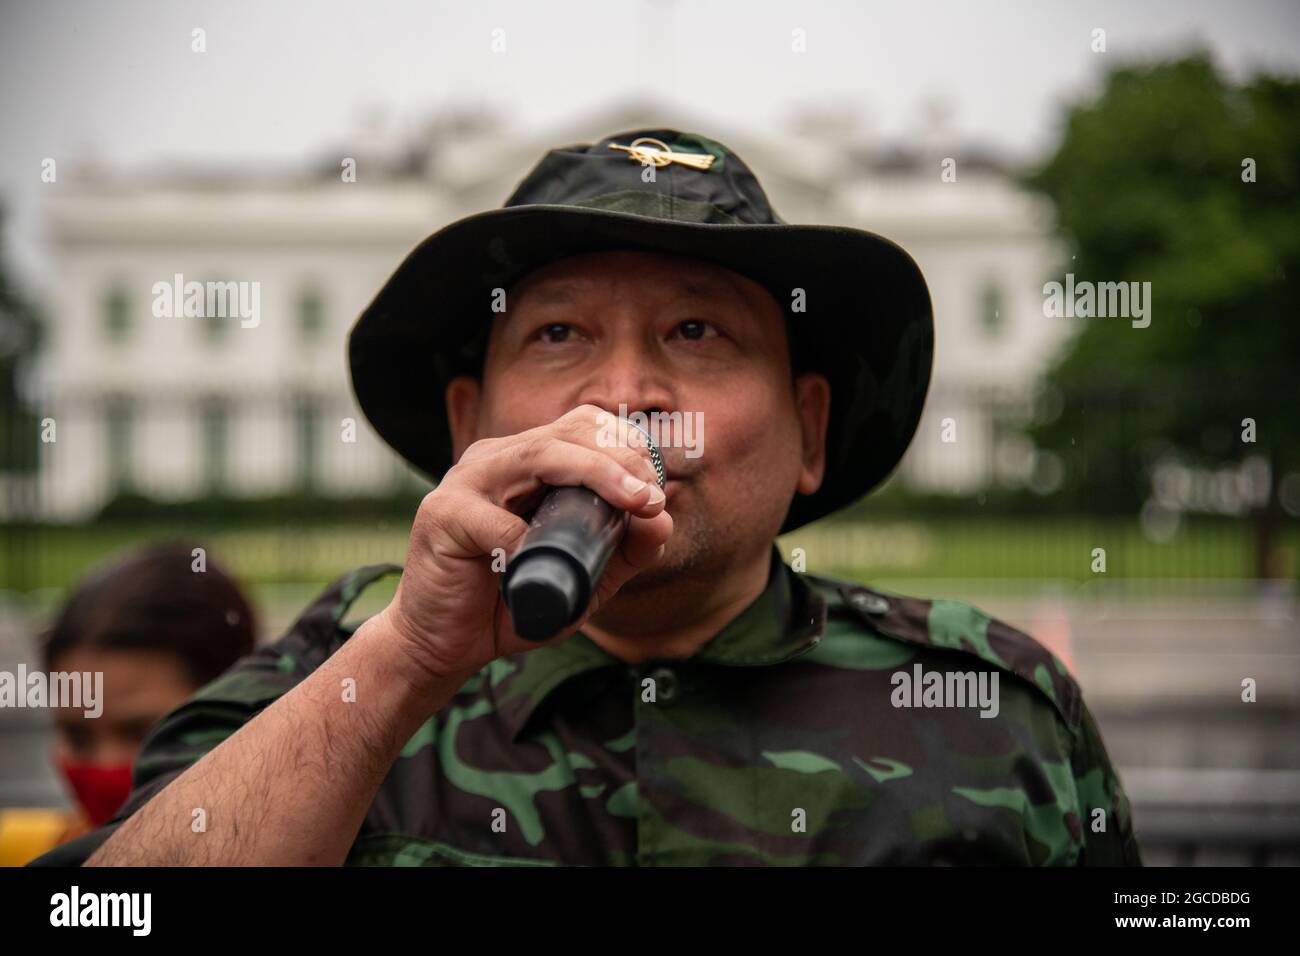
[868, 322]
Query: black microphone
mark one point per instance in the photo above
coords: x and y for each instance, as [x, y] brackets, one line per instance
[550, 579]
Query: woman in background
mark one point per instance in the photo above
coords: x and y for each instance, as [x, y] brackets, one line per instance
[158, 630]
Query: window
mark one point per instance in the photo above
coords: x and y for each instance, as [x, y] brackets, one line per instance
[118, 417]
[215, 423]
[991, 311]
[308, 442]
[220, 310]
[311, 315]
[117, 315]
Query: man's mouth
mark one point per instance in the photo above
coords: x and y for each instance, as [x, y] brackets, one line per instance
[677, 473]
[674, 482]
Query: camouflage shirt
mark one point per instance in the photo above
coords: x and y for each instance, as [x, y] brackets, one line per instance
[784, 740]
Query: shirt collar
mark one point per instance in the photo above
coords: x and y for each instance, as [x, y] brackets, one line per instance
[785, 621]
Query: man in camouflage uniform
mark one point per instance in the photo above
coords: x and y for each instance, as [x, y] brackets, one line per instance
[713, 706]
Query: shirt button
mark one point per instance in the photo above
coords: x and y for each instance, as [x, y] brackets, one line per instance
[869, 603]
[665, 684]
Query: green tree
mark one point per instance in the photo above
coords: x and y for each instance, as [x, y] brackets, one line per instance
[20, 334]
[1151, 183]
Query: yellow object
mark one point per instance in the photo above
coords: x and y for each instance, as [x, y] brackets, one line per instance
[27, 832]
[658, 154]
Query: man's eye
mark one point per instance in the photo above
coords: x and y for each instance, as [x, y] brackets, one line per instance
[555, 332]
[697, 329]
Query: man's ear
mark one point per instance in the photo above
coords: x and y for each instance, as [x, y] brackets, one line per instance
[463, 396]
[812, 394]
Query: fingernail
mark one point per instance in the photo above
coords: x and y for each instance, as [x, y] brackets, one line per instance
[656, 495]
[633, 484]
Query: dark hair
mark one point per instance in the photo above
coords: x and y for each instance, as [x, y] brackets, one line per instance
[152, 599]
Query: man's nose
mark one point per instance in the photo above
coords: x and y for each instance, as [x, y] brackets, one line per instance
[626, 375]
[110, 750]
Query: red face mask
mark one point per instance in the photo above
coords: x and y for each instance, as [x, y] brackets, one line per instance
[101, 790]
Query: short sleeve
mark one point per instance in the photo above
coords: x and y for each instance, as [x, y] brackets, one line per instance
[1105, 812]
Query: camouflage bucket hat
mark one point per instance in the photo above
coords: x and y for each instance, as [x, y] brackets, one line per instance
[867, 324]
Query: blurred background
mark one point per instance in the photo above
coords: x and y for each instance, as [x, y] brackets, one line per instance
[1127, 495]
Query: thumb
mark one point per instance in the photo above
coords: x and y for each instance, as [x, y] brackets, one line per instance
[642, 548]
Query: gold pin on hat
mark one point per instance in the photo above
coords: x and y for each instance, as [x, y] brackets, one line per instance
[659, 154]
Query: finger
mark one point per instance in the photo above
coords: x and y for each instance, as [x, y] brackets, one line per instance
[482, 448]
[467, 525]
[644, 540]
[593, 427]
[587, 425]
[642, 548]
[517, 470]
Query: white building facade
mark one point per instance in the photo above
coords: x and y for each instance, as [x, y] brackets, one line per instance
[175, 407]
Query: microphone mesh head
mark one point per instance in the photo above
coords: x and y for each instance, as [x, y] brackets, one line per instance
[656, 459]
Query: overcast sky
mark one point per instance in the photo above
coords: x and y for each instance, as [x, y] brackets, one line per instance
[116, 79]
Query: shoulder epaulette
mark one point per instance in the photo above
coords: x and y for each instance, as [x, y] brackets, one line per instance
[955, 625]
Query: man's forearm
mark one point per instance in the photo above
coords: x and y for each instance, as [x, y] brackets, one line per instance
[292, 787]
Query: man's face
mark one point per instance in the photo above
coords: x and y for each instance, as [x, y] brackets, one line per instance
[140, 688]
[662, 334]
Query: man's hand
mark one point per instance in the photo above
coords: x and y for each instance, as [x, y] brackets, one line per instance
[293, 785]
[448, 604]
